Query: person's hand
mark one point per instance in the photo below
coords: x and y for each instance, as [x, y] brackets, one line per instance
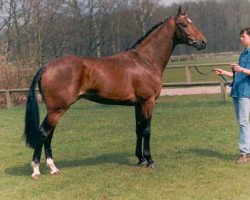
[219, 71]
[236, 68]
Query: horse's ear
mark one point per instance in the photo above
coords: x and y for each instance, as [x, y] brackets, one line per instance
[179, 10]
[186, 11]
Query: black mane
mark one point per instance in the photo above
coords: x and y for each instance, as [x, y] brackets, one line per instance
[148, 32]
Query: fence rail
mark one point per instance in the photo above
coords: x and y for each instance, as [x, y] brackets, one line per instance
[206, 56]
[9, 102]
[188, 82]
[7, 92]
[222, 85]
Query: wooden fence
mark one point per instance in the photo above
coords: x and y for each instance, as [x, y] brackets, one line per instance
[188, 82]
[205, 56]
[8, 92]
[189, 66]
[222, 86]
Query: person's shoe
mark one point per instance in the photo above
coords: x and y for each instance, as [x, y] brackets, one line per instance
[243, 158]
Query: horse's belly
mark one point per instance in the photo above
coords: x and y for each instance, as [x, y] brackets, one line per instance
[110, 98]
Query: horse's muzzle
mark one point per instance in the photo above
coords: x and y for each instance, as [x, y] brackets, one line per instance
[201, 45]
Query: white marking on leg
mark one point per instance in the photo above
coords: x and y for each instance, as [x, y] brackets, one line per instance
[36, 172]
[50, 164]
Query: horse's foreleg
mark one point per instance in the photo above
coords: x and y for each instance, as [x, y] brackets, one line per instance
[146, 144]
[146, 114]
[139, 136]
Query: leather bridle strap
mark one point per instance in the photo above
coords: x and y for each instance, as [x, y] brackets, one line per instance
[191, 40]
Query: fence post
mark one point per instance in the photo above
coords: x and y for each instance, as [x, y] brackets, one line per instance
[188, 74]
[223, 91]
[8, 99]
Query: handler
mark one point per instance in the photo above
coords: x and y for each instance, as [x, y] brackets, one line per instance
[240, 93]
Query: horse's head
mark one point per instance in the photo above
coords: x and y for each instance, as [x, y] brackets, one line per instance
[187, 33]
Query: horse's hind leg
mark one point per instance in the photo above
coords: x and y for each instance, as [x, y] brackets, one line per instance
[47, 133]
[48, 152]
[48, 155]
[47, 129]
[36, 160]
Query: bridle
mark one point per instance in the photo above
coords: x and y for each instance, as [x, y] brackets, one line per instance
[190, 39]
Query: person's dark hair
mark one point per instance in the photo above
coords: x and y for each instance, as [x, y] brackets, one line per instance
[247, 30]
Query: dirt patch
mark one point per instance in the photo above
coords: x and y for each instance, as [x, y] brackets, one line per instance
[192, 90]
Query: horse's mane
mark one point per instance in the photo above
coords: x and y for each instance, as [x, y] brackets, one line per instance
[147, 33]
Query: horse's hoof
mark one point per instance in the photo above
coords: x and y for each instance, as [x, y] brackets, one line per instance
[50, 164]
[35, 176]
[55, 172]
[151, 165]
[142, 162]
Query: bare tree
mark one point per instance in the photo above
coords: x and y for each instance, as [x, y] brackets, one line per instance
[144, 11]
[40, 30]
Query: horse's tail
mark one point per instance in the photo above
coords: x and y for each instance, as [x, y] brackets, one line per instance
[32, 133]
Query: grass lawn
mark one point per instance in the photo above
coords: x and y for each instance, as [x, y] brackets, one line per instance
[194, 143]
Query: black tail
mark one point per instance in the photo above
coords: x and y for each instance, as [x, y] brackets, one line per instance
[32, 131]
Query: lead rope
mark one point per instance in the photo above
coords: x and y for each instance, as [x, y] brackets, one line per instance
[231, 85]
[195, 66]
[222, 76]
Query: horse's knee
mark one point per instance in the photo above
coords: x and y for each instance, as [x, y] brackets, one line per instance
[138, 153]
[146, 132]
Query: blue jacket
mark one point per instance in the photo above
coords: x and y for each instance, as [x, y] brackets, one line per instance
[241, 85]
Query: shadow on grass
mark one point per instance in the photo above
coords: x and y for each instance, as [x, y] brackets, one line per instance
[120, 159]
[212, 153]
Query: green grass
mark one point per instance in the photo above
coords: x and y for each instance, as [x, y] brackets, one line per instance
[194, 143]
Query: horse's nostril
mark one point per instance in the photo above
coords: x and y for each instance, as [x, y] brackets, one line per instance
[203, 44]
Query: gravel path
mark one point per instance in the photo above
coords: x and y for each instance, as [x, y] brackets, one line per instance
[192, 90]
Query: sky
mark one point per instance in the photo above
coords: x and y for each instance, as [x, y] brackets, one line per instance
[169, 2]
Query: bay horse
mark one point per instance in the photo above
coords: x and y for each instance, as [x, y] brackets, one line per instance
[131, 78]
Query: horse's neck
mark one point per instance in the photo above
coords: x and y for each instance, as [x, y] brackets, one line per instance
[158, 46]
